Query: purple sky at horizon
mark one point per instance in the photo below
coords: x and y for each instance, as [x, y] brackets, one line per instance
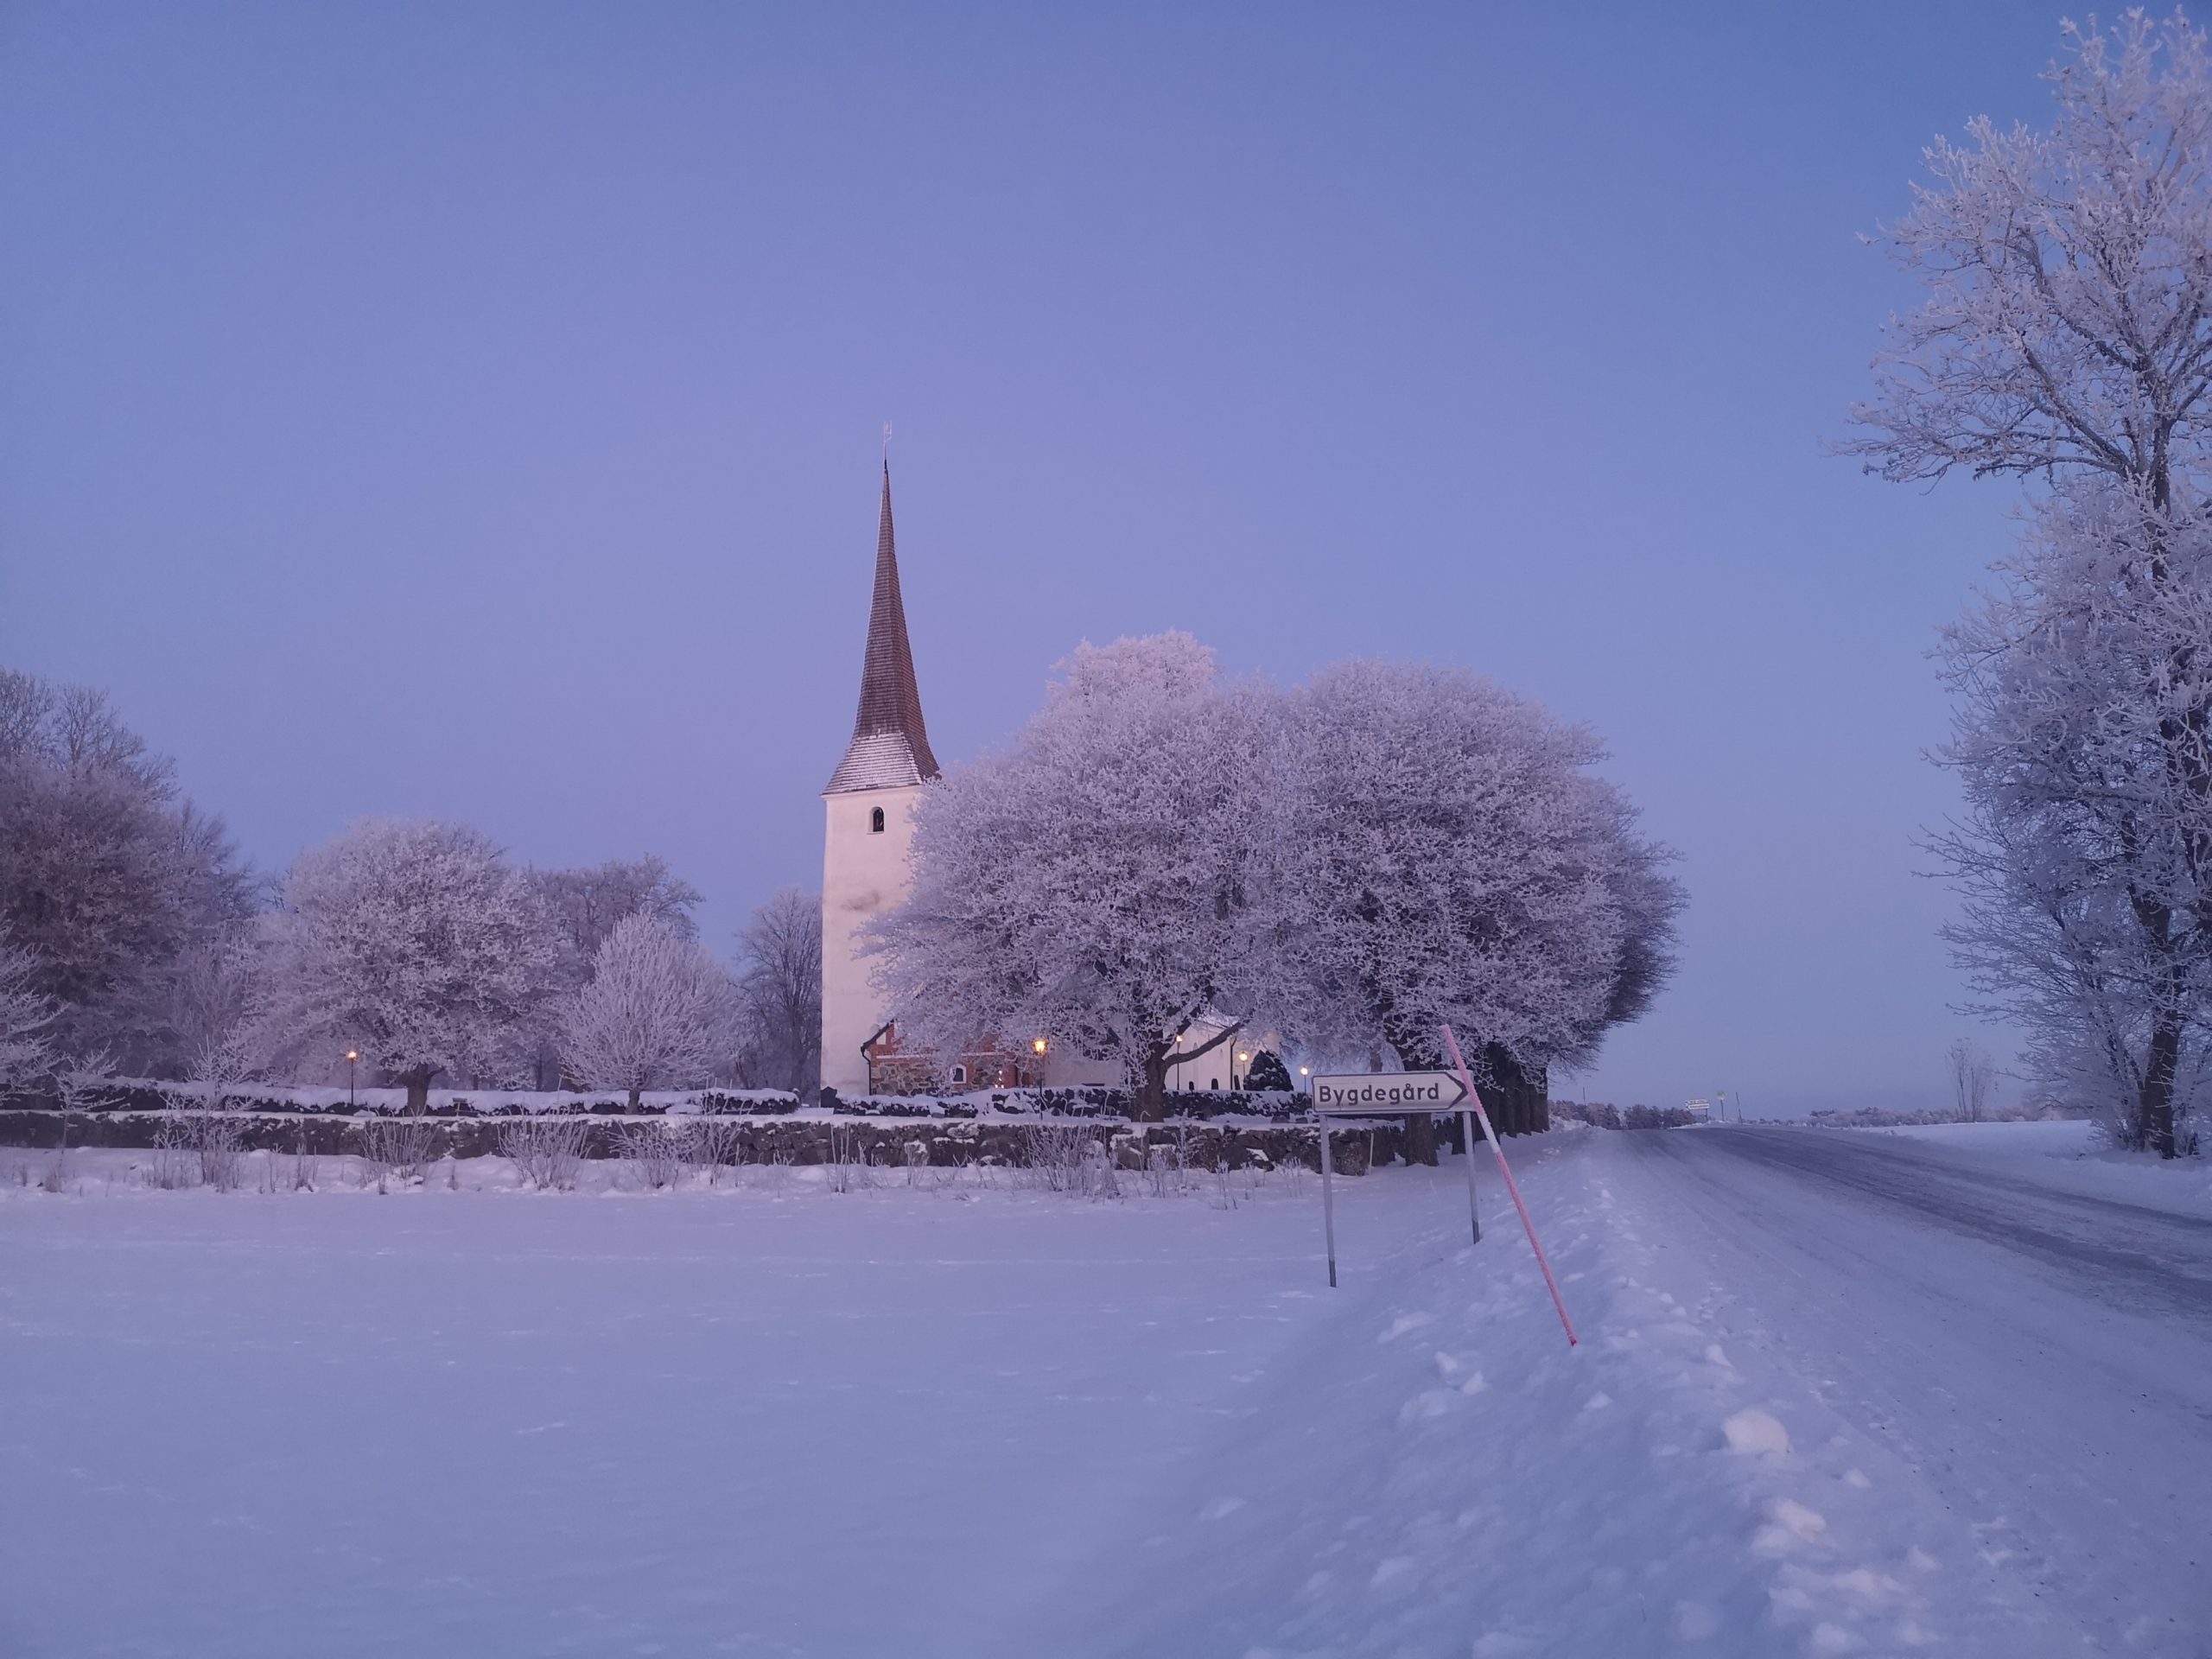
[472, 411]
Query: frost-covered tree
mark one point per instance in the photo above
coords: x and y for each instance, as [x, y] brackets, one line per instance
[1089, 884]
[780, 983]
[216, 1011]
[26, 1019]
[2069, 320]
[2084, 857]
[106, 876]
[657, 1012]
[584, 904]
[415, 943]
[2068, 335]
[1444, 855]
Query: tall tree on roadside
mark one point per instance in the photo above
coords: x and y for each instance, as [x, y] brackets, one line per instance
[2067, 332]
[416, 942]
[656, 1013]
[1089, 884]
[1443, 855]
[2080, 856]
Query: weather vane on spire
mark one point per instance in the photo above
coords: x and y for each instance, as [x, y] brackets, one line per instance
[887, 441]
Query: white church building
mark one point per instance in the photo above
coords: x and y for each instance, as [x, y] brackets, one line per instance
[867, 830]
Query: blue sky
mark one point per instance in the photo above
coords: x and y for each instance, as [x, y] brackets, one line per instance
[472, 411]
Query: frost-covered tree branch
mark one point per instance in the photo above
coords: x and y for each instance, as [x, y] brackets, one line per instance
[2068, 325]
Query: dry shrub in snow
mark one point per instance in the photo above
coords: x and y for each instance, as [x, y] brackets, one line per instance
[402, 1147]
[718, 1143]
[659, 1154]
[1067, 1158]
[847, 1168]
[546, 1152]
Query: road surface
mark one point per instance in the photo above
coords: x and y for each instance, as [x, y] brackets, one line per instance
[2038, 1362]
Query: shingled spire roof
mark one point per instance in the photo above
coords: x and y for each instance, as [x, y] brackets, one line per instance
[890, 747]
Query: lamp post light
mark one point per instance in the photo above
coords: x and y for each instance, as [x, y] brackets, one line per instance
[352, 1055]
[1037, 1047]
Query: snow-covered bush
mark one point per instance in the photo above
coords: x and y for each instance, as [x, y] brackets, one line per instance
[658, 1013]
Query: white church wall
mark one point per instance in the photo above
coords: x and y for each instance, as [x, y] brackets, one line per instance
[863, 874]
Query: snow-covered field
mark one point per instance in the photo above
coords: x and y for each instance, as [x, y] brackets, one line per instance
[982, 1420]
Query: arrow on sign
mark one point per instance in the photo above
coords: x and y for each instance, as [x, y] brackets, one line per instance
[1388, 1094]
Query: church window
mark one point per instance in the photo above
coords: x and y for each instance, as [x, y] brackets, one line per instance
[960, 1074]
[875, 822]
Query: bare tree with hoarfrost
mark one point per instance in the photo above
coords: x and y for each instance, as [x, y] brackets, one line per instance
[1444, 855]
[1089, 884]
[1973, 1075]
[779, 984]
[656, 1013]
[584, 904]
[416, 942]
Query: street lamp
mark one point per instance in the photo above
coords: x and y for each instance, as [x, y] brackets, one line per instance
[352, 1055]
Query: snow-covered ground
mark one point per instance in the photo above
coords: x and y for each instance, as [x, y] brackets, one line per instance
[2069, 1156]
[987, 1420]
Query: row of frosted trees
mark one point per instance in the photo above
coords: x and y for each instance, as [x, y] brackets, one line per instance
[1395, 847]
[133, 941]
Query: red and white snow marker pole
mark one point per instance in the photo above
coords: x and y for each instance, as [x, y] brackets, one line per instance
[1468, 1082]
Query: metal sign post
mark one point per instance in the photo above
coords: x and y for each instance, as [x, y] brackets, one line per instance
[1328, 1205]
[1388, 1094]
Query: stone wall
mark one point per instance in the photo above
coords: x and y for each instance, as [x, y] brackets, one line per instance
[944, 1143]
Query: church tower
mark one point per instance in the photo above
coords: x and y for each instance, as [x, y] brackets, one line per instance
[867, 828]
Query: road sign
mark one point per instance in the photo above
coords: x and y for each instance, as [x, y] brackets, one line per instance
[1388, 1094]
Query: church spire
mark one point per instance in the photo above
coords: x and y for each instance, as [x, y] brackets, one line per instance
[890, 746]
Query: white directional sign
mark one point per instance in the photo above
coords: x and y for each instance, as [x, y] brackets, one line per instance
[1388, 1094]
